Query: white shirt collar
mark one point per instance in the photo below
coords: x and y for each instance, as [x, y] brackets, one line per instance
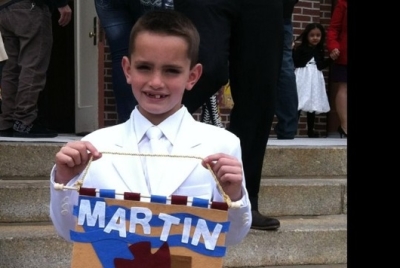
[169, 126]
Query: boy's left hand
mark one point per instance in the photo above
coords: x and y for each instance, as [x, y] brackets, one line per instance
[229, 172]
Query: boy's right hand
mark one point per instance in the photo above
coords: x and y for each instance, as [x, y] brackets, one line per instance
[72, 160]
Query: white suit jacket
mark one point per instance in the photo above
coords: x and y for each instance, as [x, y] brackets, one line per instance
[182, 176]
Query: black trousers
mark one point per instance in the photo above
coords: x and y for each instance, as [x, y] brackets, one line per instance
[241, 40]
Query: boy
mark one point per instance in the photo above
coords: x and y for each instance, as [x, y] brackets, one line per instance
[162, 64]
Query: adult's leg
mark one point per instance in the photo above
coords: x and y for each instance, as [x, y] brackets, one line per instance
[117, 17]
[10, 75]
[310, 125]
[212, 20]
[1, 68]
[24, 74]
[255, 60]
[341, 104]
[287, 100]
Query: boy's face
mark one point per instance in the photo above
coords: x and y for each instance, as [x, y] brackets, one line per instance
[159, 72]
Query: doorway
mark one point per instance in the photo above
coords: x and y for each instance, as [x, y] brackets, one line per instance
[70, 100]
[57, 100]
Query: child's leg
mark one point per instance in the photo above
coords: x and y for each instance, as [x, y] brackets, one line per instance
[310, 125]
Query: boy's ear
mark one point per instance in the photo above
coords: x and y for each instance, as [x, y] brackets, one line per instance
[194, 76]
[126, 67]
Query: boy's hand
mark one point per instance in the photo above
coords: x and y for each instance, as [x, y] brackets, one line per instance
[72, 159]
[229, 173]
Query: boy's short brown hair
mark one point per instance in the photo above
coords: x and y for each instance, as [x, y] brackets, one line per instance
[168, 22]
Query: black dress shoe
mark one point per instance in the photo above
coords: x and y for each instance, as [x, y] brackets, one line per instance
[36, 132]
[312, 134]
[7, 132]
[341, 132]
[32, 131]
[261, 222]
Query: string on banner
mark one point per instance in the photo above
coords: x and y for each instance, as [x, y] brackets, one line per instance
[79, 183]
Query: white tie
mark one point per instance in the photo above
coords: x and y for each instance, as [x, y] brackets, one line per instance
[154, 164]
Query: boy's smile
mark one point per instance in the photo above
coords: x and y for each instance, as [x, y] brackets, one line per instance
[155, 96]
[159, 72]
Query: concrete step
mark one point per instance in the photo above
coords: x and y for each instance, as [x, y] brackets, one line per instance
[304, 196]
[314, 240]
[299, 240]
[35, 159]
[24, 201]
[304, 185]
[28, 200]
[289, 161]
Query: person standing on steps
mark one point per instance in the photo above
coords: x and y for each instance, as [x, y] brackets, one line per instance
[336, 42]
[286, 99]
[161, 65]
[26, 27]
[309, 61]
[241, 40]
[117, 18]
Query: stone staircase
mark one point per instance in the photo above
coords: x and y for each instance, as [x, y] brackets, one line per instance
[304, 186]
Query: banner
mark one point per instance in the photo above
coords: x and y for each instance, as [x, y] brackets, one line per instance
[175, 232]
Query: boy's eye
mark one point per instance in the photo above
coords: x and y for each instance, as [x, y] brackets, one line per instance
[142, 67]
[173, 71]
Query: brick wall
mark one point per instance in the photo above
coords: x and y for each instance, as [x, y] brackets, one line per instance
[306, 11]
[110, 113]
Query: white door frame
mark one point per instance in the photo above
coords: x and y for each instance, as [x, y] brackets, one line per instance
[86, 67]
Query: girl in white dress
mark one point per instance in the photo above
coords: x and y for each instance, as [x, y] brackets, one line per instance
[309, 61]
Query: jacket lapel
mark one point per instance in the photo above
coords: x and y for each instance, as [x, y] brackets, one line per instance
[129, 167]
[176, 170]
